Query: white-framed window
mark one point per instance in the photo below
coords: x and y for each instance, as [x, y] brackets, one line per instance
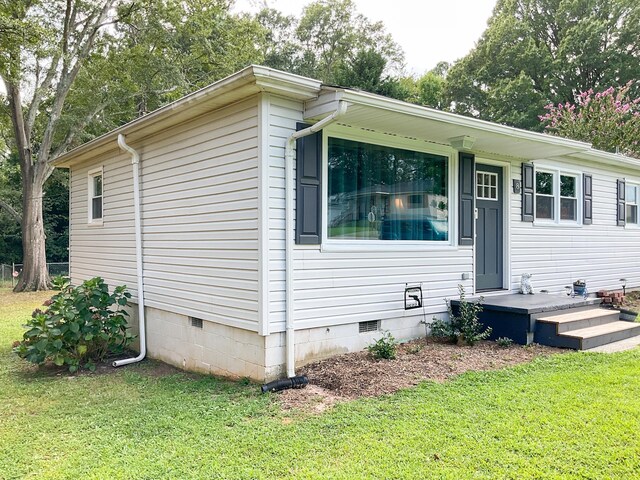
[632, 195]
[568, 197]
[486, 186]
[557, 195]
[381, 194]
[95, 200]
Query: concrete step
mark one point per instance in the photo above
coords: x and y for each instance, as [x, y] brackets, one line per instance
[583, 318]
[595, 336]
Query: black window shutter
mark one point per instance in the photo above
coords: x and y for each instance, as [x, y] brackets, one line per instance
[621, 203]
[308, 188]
[528, 192]
[587, 194]
[467, 180]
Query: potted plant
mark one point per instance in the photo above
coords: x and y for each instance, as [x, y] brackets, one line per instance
[579, 287]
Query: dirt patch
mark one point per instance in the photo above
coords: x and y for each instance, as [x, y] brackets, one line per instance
[632, 301]
[353, 375]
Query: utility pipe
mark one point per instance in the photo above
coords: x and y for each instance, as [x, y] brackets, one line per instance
[289, 151]
[135, 162]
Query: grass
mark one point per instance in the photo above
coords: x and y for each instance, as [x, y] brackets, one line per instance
[568, 416]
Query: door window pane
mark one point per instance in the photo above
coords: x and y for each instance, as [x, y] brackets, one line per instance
[385, 193]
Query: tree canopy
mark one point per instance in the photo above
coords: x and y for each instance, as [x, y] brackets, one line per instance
[539, 51]
[610, 120]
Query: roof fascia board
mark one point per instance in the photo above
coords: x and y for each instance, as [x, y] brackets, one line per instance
[599, 156]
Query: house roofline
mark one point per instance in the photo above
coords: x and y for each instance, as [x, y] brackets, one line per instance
[250, 80]
[255, 79]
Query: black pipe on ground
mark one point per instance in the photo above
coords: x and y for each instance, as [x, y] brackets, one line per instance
[285, 383]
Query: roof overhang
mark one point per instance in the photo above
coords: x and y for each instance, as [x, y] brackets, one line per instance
[243, 84]
[401, 119]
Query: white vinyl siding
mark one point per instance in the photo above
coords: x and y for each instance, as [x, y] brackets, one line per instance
[557, 254]
[334, 287]
[199, 218]
[108, 252]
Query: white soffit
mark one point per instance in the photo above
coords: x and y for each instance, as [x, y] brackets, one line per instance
[392, 117]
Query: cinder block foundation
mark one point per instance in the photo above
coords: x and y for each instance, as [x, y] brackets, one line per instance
[236, 353]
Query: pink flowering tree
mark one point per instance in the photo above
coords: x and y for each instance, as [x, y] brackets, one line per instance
[609, 120]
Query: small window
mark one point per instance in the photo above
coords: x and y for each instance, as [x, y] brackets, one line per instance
[95, 196]
[545, 208]
[631, 204]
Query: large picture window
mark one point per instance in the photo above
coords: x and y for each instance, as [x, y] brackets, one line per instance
[385, 193]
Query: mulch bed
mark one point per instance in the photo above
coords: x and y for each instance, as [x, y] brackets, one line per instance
[354, 375]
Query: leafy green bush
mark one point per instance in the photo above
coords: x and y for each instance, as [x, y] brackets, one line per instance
[60, 282]
[80, 327]
[385, 347]
[465, 329]
[504, 342]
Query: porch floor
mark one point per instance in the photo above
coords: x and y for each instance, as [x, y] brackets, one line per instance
[532, 304]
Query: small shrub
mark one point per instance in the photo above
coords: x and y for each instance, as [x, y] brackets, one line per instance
[385, 347]
[504, 342]
[60, 283]
[465, 328]
[80, 327]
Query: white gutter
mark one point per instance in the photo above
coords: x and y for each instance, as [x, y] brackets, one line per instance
[289, 240]
[135, 162]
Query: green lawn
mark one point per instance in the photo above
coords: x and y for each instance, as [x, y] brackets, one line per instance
[569, 416]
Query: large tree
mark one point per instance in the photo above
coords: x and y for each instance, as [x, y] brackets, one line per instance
[332, 42]
[74, 69]
[44, 45]
[539, 51]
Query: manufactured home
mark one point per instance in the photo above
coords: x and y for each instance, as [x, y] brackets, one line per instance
[269, 220]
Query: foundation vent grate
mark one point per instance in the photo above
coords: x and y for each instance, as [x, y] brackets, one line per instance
[196, 322]
[370, 326]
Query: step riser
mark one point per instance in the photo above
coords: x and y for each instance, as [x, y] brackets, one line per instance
[588, 322]
[592, 342]
[546, 334]
[566, 310]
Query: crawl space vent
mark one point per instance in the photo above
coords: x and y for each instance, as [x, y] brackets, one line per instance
[196, 322]
[370, 326]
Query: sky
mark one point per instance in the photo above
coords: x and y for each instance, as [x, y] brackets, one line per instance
[428, 31]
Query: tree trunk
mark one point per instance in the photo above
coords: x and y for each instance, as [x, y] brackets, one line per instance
[34, 270]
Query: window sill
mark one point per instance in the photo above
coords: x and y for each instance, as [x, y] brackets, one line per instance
[95, 223]
[542, 223]
[328, 246]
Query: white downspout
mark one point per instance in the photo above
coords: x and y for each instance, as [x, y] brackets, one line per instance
[289, 151]
[135, 162]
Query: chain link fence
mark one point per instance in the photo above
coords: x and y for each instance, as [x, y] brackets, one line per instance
[10, 274]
